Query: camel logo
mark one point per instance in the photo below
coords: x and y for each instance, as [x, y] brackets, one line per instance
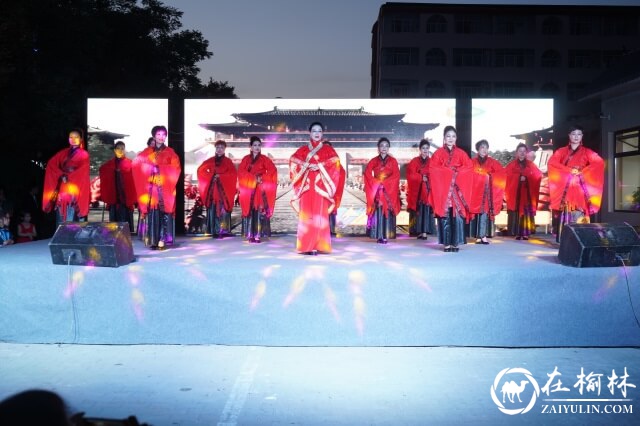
[512, 390]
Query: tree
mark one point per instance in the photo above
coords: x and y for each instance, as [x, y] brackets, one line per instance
[56, 53]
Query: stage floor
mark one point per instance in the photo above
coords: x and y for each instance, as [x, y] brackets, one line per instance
[407, 293]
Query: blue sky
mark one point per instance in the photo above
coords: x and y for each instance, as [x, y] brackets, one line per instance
[297, 48]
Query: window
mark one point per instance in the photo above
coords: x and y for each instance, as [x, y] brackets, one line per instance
[400, 56]
[551, 59]
[513, 24]
[403, 23]
[399, 88]
[473, 24]
[552, 26]
[611, 57]
[434, 89]
[516, 58]
[583, 25]
[512, 89]
[471, 57]
[472, 89]
[435, 58]
[436, 24]
[627, 170]
[619, 26]
[585, 59]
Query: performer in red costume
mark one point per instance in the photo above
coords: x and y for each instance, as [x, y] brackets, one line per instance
[117, 189]
[156, 171]
[258, 183]
[521, 193]
[576, 178]
[382, 186]
[315, 176]
[217, 180]
[451, 174]
[487, 193]
[66, 182]
[419, 202]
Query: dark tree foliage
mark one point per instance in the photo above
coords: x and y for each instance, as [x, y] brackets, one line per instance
[56, 53]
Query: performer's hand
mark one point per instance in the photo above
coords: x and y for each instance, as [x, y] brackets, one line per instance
[313, 167]
[522, 178]
[259, 178]
[156, 170]
[64, 179]
[425, 178]
[575, 171]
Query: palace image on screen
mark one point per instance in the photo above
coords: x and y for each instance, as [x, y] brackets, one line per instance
[353, 126]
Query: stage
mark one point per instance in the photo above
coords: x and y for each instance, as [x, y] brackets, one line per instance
[407, 293]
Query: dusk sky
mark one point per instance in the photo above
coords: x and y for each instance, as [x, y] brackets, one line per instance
[298, 48]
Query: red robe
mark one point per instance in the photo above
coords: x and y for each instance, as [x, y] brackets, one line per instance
[108, 191]
[251, 192]
[417, 190]
[314, 194]
[584, 190]
[489, 175]
[224, 190]
[150, 182]
[449, 169]
[528, 195]
[340, 188]
[382, 174]
[76, 191]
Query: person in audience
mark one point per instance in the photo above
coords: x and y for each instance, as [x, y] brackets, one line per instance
[419, 201]
[315, 175]
[576, 178]
[66, 182]
[26, 229]
[451, 174]
[217, 181]
[382, 188]
[521, 193]
[117, 188]
[34, 407]
[487, 193]
[257, 181]
[156, 171]
[6, 237]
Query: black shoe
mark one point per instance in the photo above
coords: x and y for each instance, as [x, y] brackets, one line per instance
[454, 249]
[485, 242]
[380, 241]
[479, 241]
[525, 238]
[384, 241]
[447, 249]
[518, 238]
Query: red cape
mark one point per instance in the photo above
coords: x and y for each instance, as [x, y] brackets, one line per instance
[386, 175]
[147, 182]
[248, 184]
[533, 175]
[340, 187]
[490, 171]
[591, 167]
[417, 190]
[108, 182]
[228, 177]
[446, 168]
[77, 188]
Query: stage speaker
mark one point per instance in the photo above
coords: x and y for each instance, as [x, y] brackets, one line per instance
[599, 244]
[92, 244]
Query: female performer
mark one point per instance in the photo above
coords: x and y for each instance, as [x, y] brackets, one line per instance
[576, 176]
[66, 182]
[258, 181]
[217, 179]
[382, 185]
[419, 202]
[523, 186]
[486, 194]
[451, 178]
[155, 173]
[315, 175]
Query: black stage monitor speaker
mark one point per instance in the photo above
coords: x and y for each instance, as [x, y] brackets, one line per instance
[92, 244]
[599, 244]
